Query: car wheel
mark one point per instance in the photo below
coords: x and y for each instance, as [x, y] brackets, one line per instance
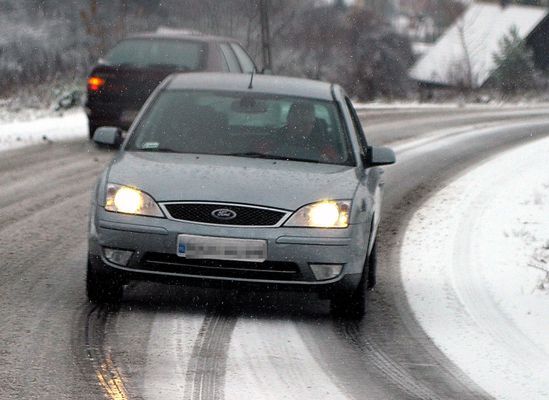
[372, 267]
[351, 305]
[354, 305]
[103, 287]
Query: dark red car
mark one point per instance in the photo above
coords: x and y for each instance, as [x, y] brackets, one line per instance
[122, 81]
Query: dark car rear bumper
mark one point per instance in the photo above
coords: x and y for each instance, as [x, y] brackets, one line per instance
[111, 114]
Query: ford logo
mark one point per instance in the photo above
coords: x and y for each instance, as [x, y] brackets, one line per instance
[224, 214]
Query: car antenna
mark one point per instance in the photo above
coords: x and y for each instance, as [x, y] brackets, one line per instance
[251, 80]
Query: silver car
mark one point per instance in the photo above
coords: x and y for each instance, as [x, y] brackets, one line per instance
[249, 180]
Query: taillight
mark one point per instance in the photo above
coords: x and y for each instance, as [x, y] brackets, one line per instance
[95, 83]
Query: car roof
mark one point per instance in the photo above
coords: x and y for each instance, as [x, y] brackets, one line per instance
[267, 84]
[180, 35]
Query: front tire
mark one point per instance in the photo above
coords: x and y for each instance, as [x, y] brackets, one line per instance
[372, 267]
[353, 305]
[103, 287]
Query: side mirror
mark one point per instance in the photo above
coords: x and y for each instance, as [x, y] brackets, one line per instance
[378, 156]
[108, 136]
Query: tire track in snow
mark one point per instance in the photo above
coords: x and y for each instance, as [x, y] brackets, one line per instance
[168, 353]
[99, 357]
[205, 378]
[270, 360]
[391, 369]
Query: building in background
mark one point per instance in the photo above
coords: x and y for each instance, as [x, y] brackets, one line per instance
[464, 55]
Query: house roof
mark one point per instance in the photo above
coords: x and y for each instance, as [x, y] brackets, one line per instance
[473, 40]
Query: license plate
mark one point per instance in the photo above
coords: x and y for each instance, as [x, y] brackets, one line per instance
[216, 248]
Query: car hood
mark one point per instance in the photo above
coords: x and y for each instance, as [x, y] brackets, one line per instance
[271, 183]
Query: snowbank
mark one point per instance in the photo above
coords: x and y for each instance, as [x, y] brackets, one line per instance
[474, 262]
[490, 105]
[72, 125]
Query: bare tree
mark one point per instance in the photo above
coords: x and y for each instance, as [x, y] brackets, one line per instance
[463, 70]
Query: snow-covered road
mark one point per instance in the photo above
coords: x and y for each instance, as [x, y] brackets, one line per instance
[182, 342]
[472, 265]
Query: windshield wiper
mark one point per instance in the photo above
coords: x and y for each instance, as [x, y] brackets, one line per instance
[159, 150]
[253, 154]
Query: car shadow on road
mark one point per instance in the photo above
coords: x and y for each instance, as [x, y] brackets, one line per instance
[233, 301]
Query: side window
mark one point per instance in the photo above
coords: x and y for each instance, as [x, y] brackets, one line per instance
[358, 127]
[245, 61]
[230, 58]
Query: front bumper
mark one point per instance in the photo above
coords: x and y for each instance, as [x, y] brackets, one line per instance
[298, 247]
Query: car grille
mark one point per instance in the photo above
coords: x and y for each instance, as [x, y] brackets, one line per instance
[245, 216]
[267, 270]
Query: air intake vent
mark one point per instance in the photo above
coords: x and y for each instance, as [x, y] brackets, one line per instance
[268, 270]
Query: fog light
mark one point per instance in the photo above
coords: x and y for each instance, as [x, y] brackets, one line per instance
[324, 272]
[120, 257]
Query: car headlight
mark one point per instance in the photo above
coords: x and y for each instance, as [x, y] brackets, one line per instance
[128, 200]
[324, 214]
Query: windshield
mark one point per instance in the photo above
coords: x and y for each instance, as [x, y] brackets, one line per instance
[180, 54]
[244, 125]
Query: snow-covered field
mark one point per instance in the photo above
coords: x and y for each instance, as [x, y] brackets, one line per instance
[475, 262]
[72, 125]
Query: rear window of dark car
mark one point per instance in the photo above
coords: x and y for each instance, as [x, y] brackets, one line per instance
[179, 54]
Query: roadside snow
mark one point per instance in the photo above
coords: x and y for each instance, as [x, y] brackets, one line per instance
[70, 126]
[474, 262]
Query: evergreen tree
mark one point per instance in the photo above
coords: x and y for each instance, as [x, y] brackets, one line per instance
[515, 69]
